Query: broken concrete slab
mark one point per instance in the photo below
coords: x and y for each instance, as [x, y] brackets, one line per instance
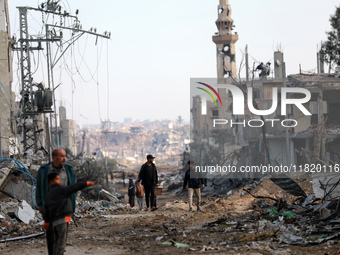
[107, 195]
[21, 189]
[22, 211]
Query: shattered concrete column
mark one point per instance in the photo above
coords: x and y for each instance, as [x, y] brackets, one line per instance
[62, 113]
[278, 61]
[318, 141]
[6, 78]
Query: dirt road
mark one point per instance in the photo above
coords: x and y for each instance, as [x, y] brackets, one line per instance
[135, 231]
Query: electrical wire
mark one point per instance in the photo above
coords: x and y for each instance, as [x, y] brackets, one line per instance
[98, 60]
[108, 80]
[35, 63]
[73, 83]
[98, 100]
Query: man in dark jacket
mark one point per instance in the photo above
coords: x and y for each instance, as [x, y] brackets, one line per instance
[148, 176]
[194, 187]
[67, 176]
[58, 209]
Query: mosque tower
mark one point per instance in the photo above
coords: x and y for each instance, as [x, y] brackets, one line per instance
[225, 42]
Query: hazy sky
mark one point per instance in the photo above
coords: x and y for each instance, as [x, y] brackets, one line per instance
[144, 70]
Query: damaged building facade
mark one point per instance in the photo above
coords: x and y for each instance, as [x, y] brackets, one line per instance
[7, 104]
[293, 137]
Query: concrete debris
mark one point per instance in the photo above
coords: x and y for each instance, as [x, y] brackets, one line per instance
[95, 207]
[262, 218]
[108, 196]
[22, 211]
[98, 193]
[18, 221]
[290, 238]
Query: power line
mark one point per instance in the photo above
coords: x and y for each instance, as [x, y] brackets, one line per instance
[108, 79]
[98, 87]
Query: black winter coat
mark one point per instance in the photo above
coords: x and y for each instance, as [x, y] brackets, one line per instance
[194, 183]
[58, 202]
[132, 189]
[148, 178]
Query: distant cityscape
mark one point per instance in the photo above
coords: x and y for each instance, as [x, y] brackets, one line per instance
[129, 142]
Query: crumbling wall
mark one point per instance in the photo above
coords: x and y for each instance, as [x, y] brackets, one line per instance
[6, 78]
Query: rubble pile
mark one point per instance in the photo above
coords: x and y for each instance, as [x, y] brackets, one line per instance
[95, 208]
[259, 219]
[276, 219]
[17, 177]
[18, 220]
[98, 193]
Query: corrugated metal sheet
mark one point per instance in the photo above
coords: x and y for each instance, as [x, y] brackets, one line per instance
[288, 185]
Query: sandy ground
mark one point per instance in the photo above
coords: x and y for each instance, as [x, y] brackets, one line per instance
[138, 232]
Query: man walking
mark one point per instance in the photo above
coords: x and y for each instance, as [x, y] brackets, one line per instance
[194, 187]
[148, 176]
[67, 176]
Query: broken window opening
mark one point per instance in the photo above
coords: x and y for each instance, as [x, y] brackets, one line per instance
[226, 48]
[256, 93]
[214, 113]
[221, 10]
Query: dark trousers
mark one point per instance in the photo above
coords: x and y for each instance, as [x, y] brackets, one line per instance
[50, 239]
[132, 201]
[60, 237]
[150, 189]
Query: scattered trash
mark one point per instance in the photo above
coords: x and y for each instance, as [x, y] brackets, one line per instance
[171, 242]
[290, 238]
[159, 238]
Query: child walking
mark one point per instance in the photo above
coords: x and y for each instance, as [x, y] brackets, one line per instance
[132, 193]
[58, 209]
[139, 194]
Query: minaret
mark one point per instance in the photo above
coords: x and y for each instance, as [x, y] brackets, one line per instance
[225, 42]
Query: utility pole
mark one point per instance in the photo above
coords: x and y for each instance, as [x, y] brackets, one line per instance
[35, 103]
[32, 103]
[106, 129]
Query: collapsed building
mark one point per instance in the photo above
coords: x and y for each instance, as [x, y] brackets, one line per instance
[286, 136]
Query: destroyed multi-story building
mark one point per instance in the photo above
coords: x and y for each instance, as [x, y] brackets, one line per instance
[293, 138]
